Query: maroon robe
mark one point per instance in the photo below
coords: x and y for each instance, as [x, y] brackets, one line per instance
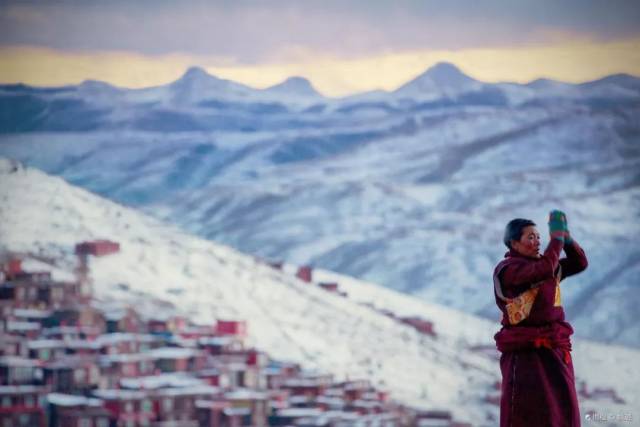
[538, 383]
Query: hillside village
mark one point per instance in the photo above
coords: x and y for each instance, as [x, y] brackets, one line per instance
[68, 359]
[162, 313]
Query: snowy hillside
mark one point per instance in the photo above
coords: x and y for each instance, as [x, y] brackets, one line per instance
[289, 319]
[360, 184]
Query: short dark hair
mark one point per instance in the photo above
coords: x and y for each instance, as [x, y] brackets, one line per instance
[513, 230]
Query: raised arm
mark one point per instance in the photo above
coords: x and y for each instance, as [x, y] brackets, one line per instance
[576, 260]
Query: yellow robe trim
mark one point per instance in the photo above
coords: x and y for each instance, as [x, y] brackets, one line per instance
[557, 301]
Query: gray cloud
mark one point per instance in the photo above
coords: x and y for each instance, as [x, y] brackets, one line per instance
[252, 31]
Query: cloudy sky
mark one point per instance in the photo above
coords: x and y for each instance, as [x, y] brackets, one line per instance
[341, 46]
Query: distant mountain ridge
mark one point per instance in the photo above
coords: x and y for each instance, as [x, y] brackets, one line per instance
[383, 186]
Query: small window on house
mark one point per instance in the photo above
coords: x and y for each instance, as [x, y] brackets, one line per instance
[128, 369]
[6, 401]
[102, 422]
[29, 401]
[167, 404]
[84, 422]
[146, 405]
[79, 375]
[128, 407]
[24, 419]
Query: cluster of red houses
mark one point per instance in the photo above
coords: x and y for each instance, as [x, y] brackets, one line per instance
[69, 360]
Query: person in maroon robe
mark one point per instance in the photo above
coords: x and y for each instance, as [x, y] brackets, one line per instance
[538, 383]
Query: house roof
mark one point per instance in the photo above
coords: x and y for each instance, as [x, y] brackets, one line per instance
[22, 362]
[173, 353]
[20, 389]
[61, 399]
[176, 380]
[119, 394]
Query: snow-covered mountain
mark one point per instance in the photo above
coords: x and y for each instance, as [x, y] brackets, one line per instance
[441, 80]
[288, 318]
[404, 191]
[296, 87]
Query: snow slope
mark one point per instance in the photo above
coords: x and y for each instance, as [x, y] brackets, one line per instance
[287, 318]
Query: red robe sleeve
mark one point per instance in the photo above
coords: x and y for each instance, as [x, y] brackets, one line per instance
[575, 262]
[531, 270]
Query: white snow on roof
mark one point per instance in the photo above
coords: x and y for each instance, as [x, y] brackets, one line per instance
[160, 381]
[62, 399]
[246, 394]
[20, 389]
[40, 344]
[119, 394]
[31, 313]
[57, 274]
[172, 353]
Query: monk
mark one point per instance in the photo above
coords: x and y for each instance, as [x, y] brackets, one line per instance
[538, 383]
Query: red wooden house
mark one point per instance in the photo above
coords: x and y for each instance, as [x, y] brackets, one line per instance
[305, 273]
[231, 327]
[217, 413]
[66, 410]
[26, 330]
[127, 407]
[257, 402]
[309, 386]
[179, 403]
[97, 248]
[45, 350]
[197, 332]
[19, 371]
[177, 359]
[12, 345]
[72, 374]
[37, 291]
[120, 343]
[115, 367]
[220, 345]
[67, 333]
[355, 389]
[78, 315]
[421, 325]
[329, 286]
[126, 320]
[217, 377]
[22, 406]
[11, 267]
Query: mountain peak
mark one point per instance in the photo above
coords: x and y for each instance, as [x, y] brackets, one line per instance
[196, 73]
[445, 73]
[96, 85]
[295, 85]
[441, 78]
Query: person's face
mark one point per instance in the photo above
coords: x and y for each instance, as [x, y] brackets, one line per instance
[529, 243]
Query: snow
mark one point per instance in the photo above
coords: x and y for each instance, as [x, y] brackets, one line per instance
[62, 399]
[290, 320]
[113, 394]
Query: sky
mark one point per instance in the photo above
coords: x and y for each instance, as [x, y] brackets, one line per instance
[342, 46]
